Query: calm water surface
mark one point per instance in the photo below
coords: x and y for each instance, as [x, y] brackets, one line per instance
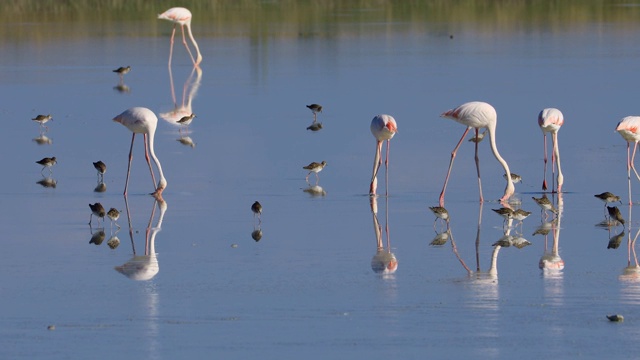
[201, 285]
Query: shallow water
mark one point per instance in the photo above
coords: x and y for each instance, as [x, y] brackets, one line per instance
[307, 288]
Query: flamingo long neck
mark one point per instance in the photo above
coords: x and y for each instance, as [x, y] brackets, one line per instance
[556, 152]
[162, 182]
[195, 44]
[510, 189]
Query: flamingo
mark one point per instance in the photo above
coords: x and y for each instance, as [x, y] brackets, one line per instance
[628, 129]
[550, 120]
[383, 127]
[477, 115]
[181, 16]
[143, 121]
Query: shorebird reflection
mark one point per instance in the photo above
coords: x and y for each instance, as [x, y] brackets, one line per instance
[315, 190]
[47, 182]
[384, 262]
[144, 267]
[184, 109]
[43, 140]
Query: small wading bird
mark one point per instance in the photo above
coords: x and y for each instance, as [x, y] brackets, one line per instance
[101, 168]
[477, 115]
[47, 163]
[506, 213]
[181, 16]
[550, 120]
[42, 119]
[629, 129]
[122, 70]
[314, 167]
[514, 177]
[615, 215]
[186, 120]
[545, 204]
[607, 198]
[383, 127]
[98, 210]
[114, 215]
[140, 120]
[315, 108]
[257, 210]
[440, 213]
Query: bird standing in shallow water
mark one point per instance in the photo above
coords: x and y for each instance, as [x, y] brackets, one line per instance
[315, 108]
[314, 167]
[440, 213]
[514, 177]
[545, 204]
[186, 120]
[607, 198]
[257, 210]
[122, 70]
[114, 215]
[477, 115]
[383, 127]
[629, 129]
[614, 214]
[98, 210]
[550, 120]
[143, 121]
[42, 119]
[506, 213]
[47, 163]
[101, 168]
[181, 16]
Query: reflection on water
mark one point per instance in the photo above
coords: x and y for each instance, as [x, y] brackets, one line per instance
[315, 190]
[630, 276]
[551, 264]
[42, 139]
[144, 267]
[384, 262]
[185, 108]
[47, 182]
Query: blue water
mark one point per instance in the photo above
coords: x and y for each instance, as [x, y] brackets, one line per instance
[307, 289]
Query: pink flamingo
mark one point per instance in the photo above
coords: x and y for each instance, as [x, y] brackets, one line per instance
[181, 16]
[550, 120]
[143, 121]
[629, 127]
[383, 127]
[477, 115]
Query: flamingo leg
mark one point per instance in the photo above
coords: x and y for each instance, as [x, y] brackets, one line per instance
[184, 41]
[173, 34]
[453, 156]
[556, 153]
[386, 170]
[146, 156]
[126, 183]
[544, 180]
[377, 161]
[633, 156]
[478, 168]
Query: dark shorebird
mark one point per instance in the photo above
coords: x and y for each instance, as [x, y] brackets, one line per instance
[186, 120]
[114, 215]
[315, 167]
[42, 119]
[47, 163]
[315, 126]
[98, 210]
[315, 108]
[122, 70]
[101, 168]
[256, 207]
[607, 198]
[506, 213]
[520, 215]
[614, 214]
[440, 213]
[545, 204]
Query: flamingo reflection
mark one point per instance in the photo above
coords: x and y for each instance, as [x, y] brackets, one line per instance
[551, 263]
[144, 267]
[384, 262]
[184, 109]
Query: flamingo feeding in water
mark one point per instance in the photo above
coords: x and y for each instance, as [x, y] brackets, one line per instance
[383, 127]
[477, 115]
[143, 121]
[629, 129]
[181, 16]
[550, 120]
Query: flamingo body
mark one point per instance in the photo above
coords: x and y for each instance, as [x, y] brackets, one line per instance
[629, 129]
[383, 127]
[550, 121]
[477, 115]
[181, 16]
[140, 120]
